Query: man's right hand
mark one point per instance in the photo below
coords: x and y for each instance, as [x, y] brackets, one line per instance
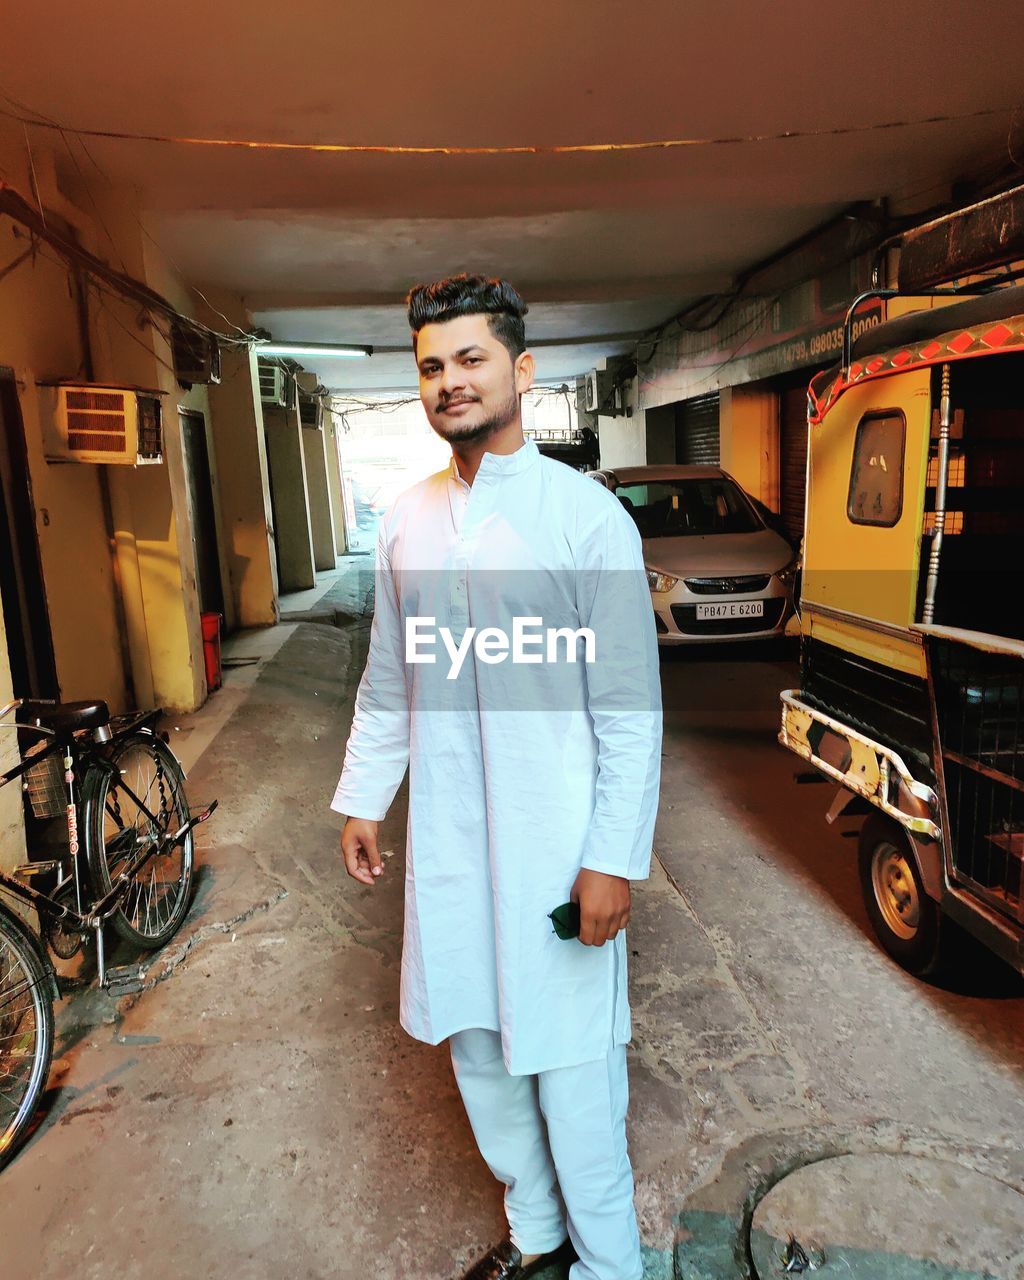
[359, 849]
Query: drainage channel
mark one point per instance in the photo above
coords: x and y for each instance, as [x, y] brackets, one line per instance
[882, 1216]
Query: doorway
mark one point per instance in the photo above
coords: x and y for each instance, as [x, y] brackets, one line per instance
[201, 509]
[26, 620]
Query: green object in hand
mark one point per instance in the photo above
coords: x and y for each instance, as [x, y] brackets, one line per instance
[566, 920]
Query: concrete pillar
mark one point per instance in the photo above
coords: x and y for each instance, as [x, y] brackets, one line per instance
[236, 423]
[623, 439]
[334, 484]
[749, 438]
[290, 500]
[623, 442]
[320, 524]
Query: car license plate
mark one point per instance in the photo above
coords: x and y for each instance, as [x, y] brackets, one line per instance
[731, 609]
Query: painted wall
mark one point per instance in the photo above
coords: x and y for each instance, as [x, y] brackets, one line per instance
[116, 542]
[40, 340]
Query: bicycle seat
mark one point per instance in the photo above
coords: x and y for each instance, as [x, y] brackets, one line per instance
[64, 715]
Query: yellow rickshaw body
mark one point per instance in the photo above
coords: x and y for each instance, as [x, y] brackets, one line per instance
[911, 696]
[856, 576]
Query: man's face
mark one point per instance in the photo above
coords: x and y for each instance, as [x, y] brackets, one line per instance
[469, 384]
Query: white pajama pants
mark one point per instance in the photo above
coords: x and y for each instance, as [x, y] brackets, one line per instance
[557, 1141]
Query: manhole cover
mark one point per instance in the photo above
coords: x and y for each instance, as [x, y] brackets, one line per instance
[889, 1217]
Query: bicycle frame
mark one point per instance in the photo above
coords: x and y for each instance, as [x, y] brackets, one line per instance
[78, 758]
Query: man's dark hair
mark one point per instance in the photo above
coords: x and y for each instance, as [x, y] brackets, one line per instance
[466, 295]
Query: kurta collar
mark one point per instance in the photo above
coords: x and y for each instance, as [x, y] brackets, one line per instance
[500, 465]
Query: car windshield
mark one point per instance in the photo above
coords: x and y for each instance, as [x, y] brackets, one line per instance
[680, 508]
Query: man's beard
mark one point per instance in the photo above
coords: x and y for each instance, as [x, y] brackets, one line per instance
[457, 433]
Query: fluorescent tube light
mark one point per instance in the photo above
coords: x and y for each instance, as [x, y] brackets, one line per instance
[310, 349]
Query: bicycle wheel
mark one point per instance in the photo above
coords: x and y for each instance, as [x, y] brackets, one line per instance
[26, 1033]
[126, 811]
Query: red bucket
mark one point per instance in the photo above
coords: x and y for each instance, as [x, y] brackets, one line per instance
[211, 649]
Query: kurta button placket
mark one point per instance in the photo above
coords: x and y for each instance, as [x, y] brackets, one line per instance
[460, 495]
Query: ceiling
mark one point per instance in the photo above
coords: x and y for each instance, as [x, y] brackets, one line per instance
[323, 246]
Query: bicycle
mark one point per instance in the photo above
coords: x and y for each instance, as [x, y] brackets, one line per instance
[129, 862]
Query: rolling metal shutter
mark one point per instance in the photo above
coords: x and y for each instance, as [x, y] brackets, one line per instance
[697, 430]
[793, 459]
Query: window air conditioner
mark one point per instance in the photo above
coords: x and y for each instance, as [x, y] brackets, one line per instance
[600, 394]
[196, 355]
[91, 423]
[590, 400]
[277, 386]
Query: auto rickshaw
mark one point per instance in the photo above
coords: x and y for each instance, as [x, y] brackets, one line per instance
[911, 690]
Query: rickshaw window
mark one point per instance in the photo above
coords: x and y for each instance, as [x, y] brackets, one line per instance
[876, 477]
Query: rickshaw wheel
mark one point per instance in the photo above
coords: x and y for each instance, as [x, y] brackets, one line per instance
[906, 921]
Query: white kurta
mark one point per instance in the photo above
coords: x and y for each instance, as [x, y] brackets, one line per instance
[519, 775]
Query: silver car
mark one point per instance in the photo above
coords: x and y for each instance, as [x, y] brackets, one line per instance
[715, 569]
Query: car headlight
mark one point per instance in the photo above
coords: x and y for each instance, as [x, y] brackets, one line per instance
[788, 575]
[660, 581]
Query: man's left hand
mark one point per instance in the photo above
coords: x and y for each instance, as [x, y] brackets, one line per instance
[604, 906]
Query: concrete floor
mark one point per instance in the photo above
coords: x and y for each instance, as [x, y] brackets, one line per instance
[255, 1111]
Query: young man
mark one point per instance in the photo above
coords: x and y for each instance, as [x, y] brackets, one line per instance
[533, 781]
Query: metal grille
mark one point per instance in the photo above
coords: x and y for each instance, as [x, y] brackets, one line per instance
[979, 699]
[685, 616]
[727, 586]
[96, 420]
[96, 401]
[697, 439]
[104, 423]
[150, 443]
[95, 440]
[44, 785]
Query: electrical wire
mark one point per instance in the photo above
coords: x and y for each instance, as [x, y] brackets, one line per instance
[117, 282]
[92, 201]
[367, 404]
[16, 262]
[157, 245]
[753, 326]
[576, 148]
[703, 315]
[134, 336]
[35, 117]
[32, 178]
